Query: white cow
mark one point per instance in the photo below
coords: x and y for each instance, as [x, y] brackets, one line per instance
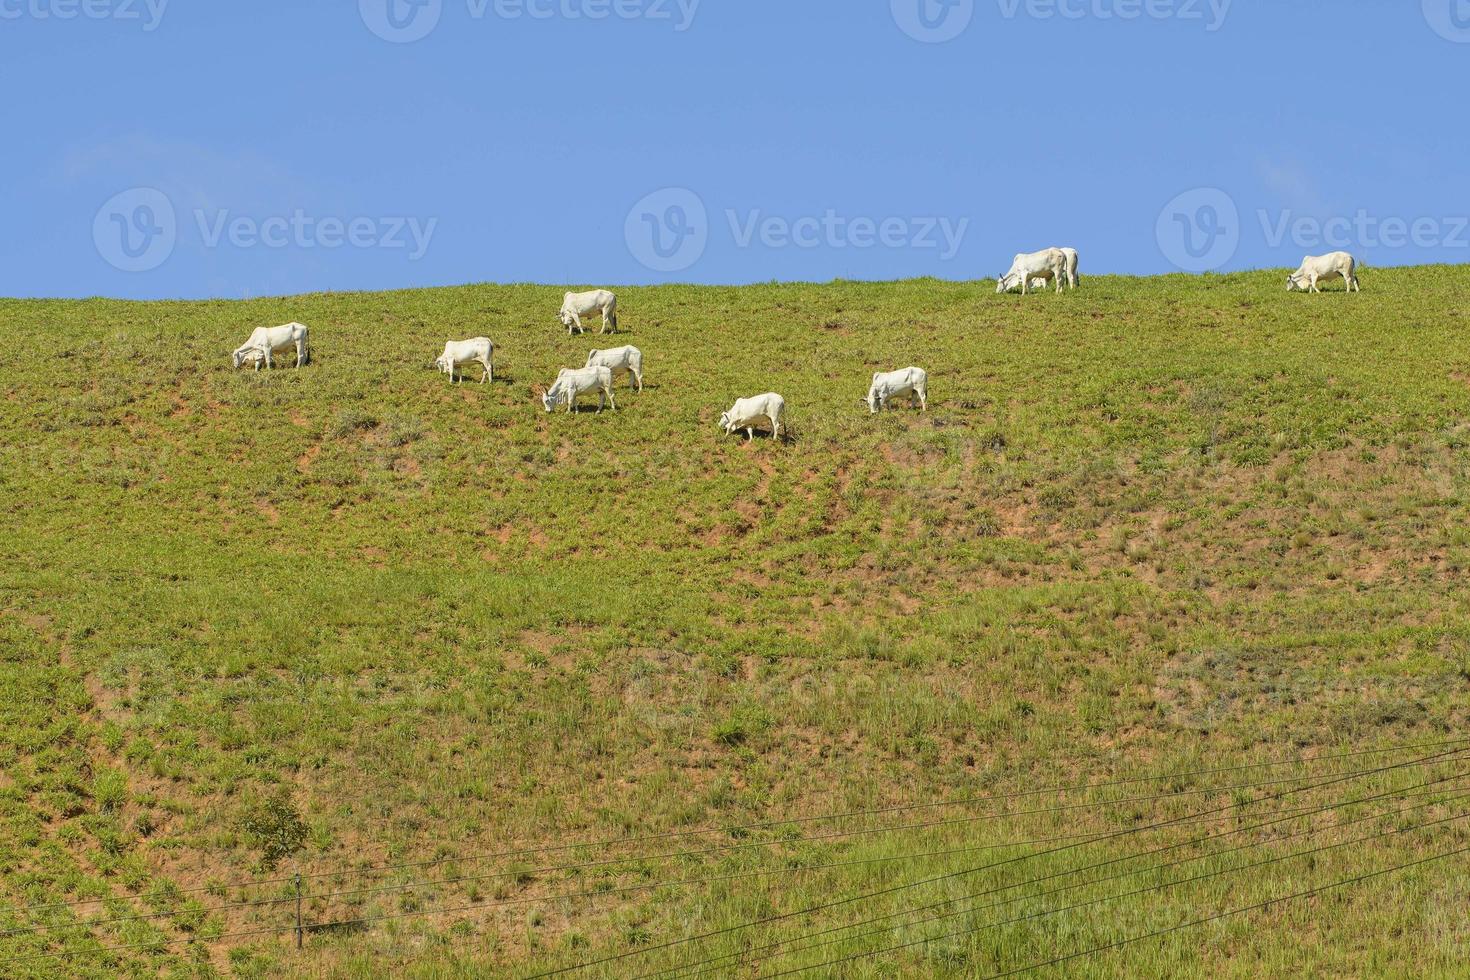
[1319, 268]
[1070, 254]
[1048, 265]
[265, 341]
[570, 385]
[478, 350]
[620, 360]
[912, 381]
[574, 306]
[746, 412]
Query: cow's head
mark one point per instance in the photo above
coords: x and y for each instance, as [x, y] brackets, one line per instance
[442, 364]
[872, 400]
[1292, 283]
[725, 425]
[549, 400]
[1003, 284]
[248, 355]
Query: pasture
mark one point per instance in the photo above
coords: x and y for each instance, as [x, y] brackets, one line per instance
[351, 616]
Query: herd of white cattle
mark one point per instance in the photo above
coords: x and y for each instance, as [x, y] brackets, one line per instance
[1029, 270]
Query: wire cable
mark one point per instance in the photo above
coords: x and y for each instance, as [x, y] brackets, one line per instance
[1311, 812]
[1139, 891]
[1309, 893]
[735, 829]
[824, 906]
[702, 852]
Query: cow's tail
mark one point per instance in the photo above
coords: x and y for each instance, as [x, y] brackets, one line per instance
[613, 316]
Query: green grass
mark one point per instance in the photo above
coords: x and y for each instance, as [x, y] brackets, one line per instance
[1156, 524]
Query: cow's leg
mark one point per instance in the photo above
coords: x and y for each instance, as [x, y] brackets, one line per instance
[270, 360]
[611, 400]
[486, 376]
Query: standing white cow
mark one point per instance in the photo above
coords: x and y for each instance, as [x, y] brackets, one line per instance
[478, 350]
[1048, 265]
[574, 306]
[912, 381]
[265, 341]
[620, 361]
[1070, 254]
[570, 385]
[1319, 268]
[747, 412]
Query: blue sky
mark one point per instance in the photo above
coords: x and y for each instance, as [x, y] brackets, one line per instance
[299, 150]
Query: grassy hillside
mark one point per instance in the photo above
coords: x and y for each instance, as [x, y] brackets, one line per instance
[353, 616]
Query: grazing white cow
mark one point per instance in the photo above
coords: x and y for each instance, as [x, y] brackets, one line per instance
[265, 341]
[912, 381]
[620, 361]
[746, 412]
[574, 306]
[1070, 254]
[478, 350]
[1320, 268]
[571, 385]
[1048, 265]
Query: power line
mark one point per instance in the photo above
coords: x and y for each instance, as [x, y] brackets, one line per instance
[821, 907]
[962, 801]
[318, 926]
[1310, 893]
[646, 886]
[745, 828]
[1129, 894]
[1297, 814]
[702, 852]
[966, 932]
